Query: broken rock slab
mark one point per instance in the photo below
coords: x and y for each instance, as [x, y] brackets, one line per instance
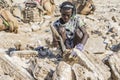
[11, 68]
[35, 27]
[1, 72]
[114, 64]
[81, 73]
[6, 77]
[24, 53]
[95, 45]
[93, 64]
[63, 72]
[18, 1]
[42, 69]
[25, 29]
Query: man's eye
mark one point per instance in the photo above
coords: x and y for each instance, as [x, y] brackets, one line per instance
[66, 15]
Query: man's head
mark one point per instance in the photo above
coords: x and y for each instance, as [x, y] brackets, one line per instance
[67, 10]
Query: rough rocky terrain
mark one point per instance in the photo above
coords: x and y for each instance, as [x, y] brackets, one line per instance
[99, 60]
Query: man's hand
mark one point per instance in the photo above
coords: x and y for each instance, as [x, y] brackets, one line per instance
[79, 46]
[73, 54]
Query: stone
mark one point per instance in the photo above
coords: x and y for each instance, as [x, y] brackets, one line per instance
[114, 19]
[17, 12]
[113, 63]
[93, 64]
[1, 72]
[41, 69]
[63, 72]
[35, 27]
[6, 77]
[95, 45]
[81, 73]
[91, 17]
[45, 23]
[13, 69]
[17, 1]
[115, 48]
[59, 2]
[26, 29]
[24, 53]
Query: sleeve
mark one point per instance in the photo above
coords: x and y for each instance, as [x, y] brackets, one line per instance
[80, 22]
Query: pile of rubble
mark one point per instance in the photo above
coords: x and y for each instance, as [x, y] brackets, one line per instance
[28, 55]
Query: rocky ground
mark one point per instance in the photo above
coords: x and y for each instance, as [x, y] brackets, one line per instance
[99, 60]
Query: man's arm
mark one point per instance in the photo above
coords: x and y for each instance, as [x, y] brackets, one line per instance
[85, 35]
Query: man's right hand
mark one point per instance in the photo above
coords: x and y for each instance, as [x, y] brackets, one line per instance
[73, 54]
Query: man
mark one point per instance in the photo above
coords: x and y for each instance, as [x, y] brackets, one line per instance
[70, 27]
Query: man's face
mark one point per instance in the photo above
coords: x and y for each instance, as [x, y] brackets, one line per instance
[66, 14]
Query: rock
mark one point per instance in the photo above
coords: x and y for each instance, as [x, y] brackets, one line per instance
[45, 23]
[17, 1]
[8, 2]
[59, 2]
[24, 53]
[6, 77]
[115, 48]
[42, 69]
[24, 28]
[17, 12]
[17, 45]
[116, 27]
[24, 63]
[81, 73]
[13, 69]
[91, 17]
[63, 72]
[35, 27]
[114, 19]
[1, 72]
[93, 64]
[112, 30]
[96, 32]
[95, 45]
[113, 63]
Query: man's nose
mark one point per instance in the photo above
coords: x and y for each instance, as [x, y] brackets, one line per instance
[66, 17]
